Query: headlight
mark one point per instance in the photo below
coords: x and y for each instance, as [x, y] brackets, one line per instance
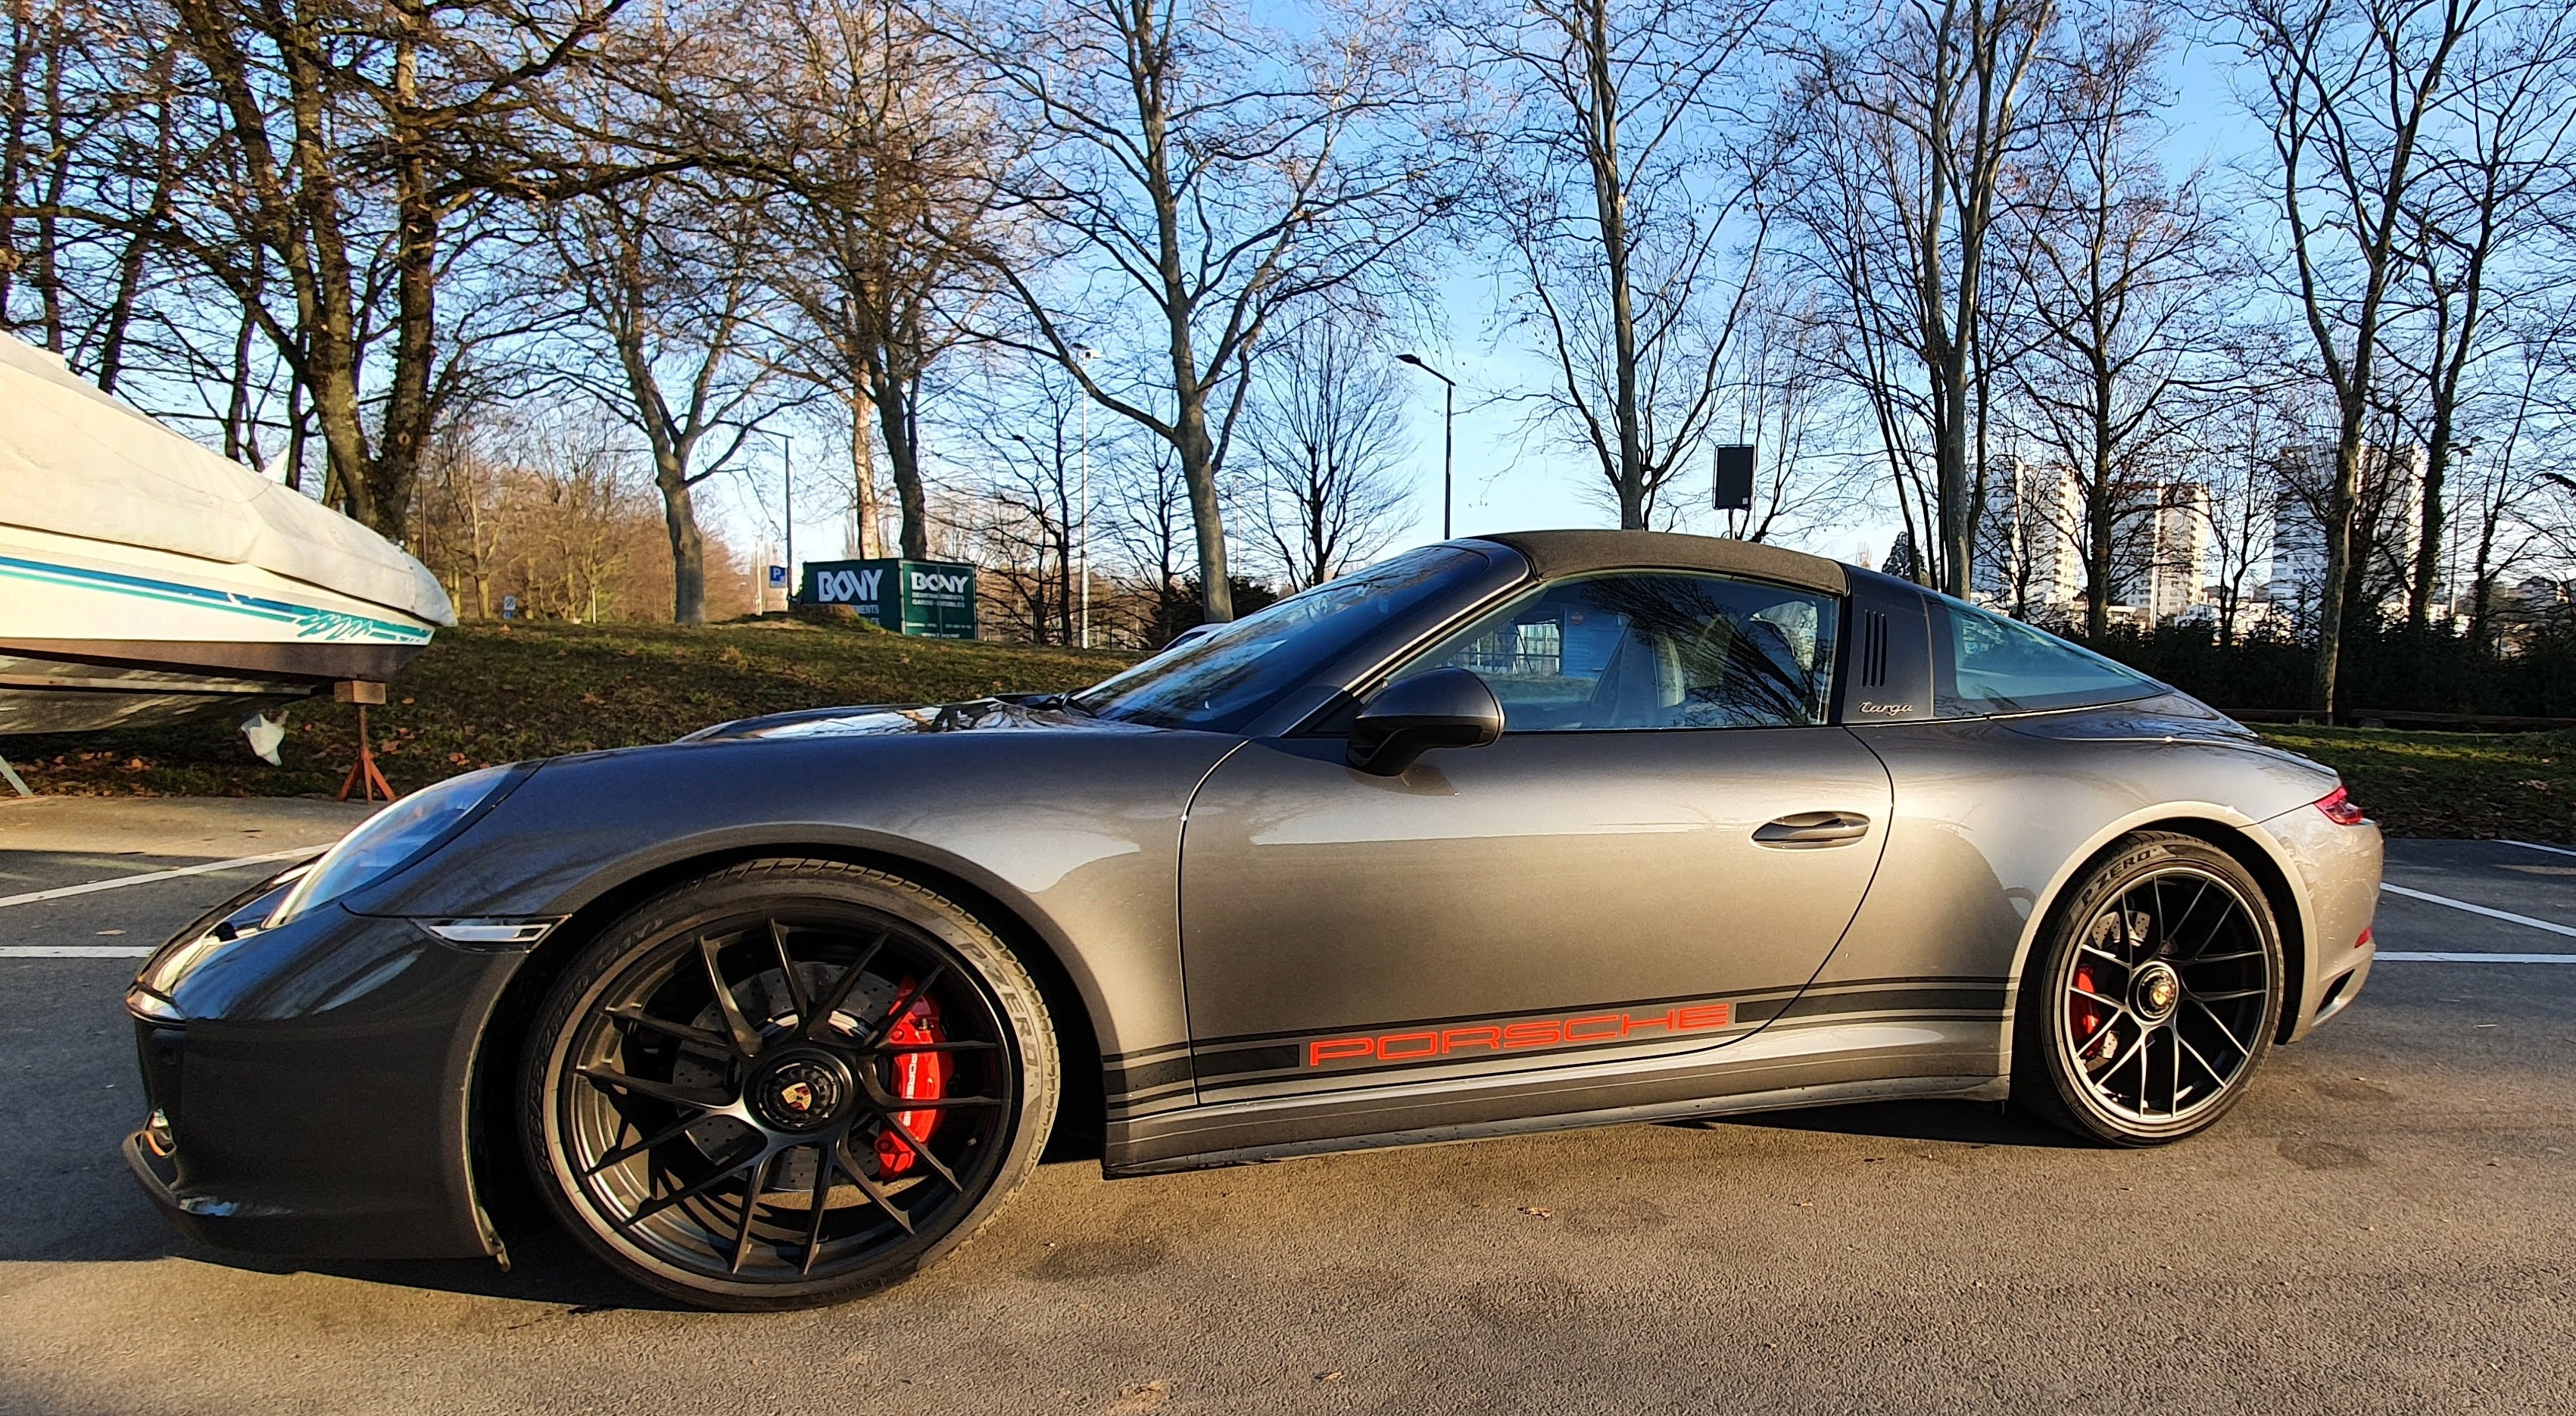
[397, 836]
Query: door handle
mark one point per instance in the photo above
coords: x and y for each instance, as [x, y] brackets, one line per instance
[1809, 829]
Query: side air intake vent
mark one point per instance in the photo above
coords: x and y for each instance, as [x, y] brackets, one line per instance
[1873, 649]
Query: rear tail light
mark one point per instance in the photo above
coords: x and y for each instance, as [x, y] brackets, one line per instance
[2364, 941]
[2340, 808]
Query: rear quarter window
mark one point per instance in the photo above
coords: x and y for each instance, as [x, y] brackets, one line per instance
[1986, 664]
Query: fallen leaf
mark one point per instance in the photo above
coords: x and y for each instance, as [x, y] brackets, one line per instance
[1535, 1212]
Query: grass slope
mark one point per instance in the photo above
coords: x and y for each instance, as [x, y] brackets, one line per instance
[2521, 786]
[482, 694]
[485, 693]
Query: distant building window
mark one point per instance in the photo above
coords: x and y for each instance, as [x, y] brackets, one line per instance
[1990, 665]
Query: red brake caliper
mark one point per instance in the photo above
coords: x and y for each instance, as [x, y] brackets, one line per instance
[2083, 1012]
[918, 1076]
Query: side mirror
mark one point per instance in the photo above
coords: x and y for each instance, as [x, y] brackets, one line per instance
[1443, 708]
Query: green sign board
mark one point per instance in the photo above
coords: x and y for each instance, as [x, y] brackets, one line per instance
[933, 598]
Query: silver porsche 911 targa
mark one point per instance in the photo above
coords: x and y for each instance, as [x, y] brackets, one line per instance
[1523, 831]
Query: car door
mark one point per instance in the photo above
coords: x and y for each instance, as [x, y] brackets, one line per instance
[1657, 854]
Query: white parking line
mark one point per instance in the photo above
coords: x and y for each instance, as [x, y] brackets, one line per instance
[74, 951]
[2396, 956]
[67, 891]
[2536, 846]
[2505, 915]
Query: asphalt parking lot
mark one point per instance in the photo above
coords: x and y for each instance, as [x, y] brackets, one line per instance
[2387, 1224]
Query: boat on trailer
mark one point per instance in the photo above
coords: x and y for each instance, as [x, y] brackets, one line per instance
[146, 580]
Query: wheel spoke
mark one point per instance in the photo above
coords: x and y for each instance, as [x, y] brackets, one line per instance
[2113, 1004]
[921, 1150]
[827, 1156]
[692, 1190]
[875, 1193]
[2102, 953]
[902, 1003]
[607, 1078]
[818, 1021]
[746, 1038]
[2188, 911]
[635, 1017]
[2221, 1025]
[2230, 995]
[750, 1207]
[2198, 960]
[787, 969]
[623, 1154]
[2215, 1076]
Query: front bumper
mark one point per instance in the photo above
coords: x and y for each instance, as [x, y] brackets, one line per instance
[311, 1090]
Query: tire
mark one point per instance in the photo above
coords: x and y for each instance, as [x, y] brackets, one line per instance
[2153, 998]
[727, 1150]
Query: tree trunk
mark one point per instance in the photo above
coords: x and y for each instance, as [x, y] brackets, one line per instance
[903, 457]
[863, 476]
[1198, 473]
[2338, 528]
[688, 544]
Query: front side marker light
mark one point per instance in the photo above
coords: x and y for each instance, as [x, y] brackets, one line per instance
[491, 933]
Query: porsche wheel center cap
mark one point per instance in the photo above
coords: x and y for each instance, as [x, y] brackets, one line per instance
[801, 1093]
[2155, 992]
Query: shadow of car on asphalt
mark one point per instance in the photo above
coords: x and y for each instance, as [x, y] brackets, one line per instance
[1976, 1123]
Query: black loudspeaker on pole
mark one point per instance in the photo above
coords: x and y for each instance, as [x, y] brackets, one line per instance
[1734, 476]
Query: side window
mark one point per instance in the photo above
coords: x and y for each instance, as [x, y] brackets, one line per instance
[1995, 665]
[1644, 650]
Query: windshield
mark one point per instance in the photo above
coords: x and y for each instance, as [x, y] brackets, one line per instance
[1220, 680]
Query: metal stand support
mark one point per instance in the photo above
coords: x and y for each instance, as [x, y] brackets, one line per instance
[363, 775]
[16, 782]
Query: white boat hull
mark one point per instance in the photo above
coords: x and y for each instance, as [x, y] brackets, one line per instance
[95, 635]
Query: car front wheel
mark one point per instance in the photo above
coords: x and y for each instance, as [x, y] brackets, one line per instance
[785, 1084]
[2147, 1007]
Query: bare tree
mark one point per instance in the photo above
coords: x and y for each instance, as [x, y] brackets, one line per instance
[1607, 175]
[358, 139]
[2121, 273]
[1781, 398]
[1145, 517]
[1325, 423]
[1909, 125]
[886, 160]
[1027, 440]
[1195, 176]
[2488, 183]
[2348, 90]
[669, 270]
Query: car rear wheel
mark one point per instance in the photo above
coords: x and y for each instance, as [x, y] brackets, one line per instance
[785, 1084]
[2154, 997]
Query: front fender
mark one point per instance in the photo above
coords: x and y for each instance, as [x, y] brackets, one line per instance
[1076, 832]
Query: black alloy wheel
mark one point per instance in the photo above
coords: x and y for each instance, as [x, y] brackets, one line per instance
[2156, 995]
[785, 1084]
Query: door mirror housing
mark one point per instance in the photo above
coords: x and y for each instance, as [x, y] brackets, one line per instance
[1443, 708]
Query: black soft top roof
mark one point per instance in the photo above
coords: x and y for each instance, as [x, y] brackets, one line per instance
[1555, 553]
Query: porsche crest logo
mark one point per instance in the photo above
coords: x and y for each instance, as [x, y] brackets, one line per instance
[797, 1096]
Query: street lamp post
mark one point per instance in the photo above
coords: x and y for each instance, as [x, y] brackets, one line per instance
[1086, 353]
[787, 513]
[1448, 438]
